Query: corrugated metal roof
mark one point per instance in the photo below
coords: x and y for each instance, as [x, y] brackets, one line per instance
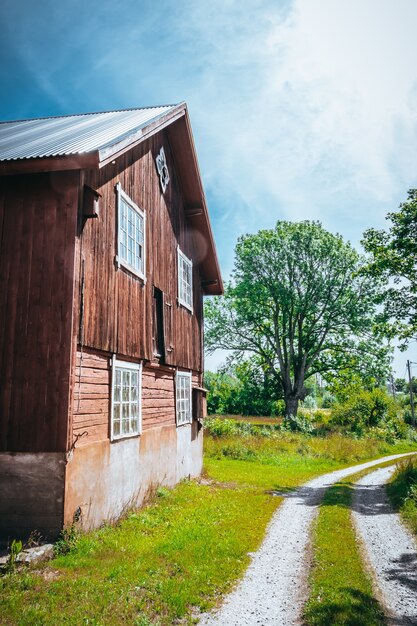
[73, 134]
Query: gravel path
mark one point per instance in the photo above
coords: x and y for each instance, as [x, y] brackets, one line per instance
[274, 587]
[390, 548]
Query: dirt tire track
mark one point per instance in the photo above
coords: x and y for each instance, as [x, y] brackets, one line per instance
[390, 549]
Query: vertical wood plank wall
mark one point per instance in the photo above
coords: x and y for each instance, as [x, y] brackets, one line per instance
[117, 305]
[38, 220]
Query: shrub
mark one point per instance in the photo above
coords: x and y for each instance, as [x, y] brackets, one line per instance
[328, 400]
[278, 408]
[310, 402]
[299, 423]
[220, 427]
[365, 409]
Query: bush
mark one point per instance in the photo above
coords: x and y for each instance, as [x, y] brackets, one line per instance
[328, 400]
[364, 410]
[218, 427]
[278, 408]
[310, 402]
[299, 423]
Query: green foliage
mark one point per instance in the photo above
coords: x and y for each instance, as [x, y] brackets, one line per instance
[310, 402]
[242, 388]
[298, 303]
[371, 411]
[67, 540]
[301, 423]
[402, 491]
[223, 390]
[218, 427]
[15, 549]
[328, 400]
[278, 408]
[394, 259]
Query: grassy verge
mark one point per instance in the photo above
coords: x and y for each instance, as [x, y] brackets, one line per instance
[179, 555]
[340, 588]
[402, 491]
[180, 552]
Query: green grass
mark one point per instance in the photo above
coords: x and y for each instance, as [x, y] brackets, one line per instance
[184, 551]
[288, 459]
[340, 588]
[402, 491]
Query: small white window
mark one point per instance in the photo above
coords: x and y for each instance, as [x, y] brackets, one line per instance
[185, 280]
[183, 397]
[131, 234]
[126, 409]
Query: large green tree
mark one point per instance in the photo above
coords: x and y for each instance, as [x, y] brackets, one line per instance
[298, 302]
[394, 260]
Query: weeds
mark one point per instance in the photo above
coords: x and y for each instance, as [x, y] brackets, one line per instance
[15, 549]
[67, 541]
[402, 491]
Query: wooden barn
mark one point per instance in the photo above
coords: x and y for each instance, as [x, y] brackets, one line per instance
[106, 253]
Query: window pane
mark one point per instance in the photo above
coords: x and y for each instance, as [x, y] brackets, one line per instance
[116, 428]
[131, 236]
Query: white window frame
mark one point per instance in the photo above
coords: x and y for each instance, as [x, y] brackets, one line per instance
[129, 367]
[188, 417]
[183, 259]
[120, 261]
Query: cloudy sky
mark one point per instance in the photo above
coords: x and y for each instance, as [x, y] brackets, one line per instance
[302, 109]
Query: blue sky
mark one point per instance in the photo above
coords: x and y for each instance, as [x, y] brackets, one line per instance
[302, 109]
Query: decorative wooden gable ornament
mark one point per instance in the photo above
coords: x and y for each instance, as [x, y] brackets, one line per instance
[162, 167]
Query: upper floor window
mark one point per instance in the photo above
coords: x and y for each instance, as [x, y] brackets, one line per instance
[131, 234]
[126, 414]
[185, 280]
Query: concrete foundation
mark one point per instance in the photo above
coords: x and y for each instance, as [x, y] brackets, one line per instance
[31, 494]
[98, 482]
[104, 479]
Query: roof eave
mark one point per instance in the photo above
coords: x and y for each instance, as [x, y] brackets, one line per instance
[36, 165]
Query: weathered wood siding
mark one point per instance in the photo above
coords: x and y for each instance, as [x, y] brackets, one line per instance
[117, 304]
[92, 393]
[38, 220]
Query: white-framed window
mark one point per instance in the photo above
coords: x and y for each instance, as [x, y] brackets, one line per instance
[185, 280]
[126, 399]
[131, 234]
[183, 398]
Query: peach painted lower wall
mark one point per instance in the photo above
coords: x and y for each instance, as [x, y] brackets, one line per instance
[104, 479]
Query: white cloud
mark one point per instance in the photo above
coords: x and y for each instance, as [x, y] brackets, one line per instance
[313, 108]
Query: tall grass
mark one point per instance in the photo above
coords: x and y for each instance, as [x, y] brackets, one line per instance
[402, 491]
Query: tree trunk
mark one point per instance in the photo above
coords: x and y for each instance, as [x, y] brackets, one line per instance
[291, 406]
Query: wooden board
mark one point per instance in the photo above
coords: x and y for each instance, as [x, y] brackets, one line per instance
[38, 216]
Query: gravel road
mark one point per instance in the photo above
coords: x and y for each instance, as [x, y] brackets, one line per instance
[390, 548]
[274, 587]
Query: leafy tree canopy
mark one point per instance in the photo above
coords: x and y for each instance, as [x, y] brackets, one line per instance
[394, 260]
[297, 302]
[242, 388]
